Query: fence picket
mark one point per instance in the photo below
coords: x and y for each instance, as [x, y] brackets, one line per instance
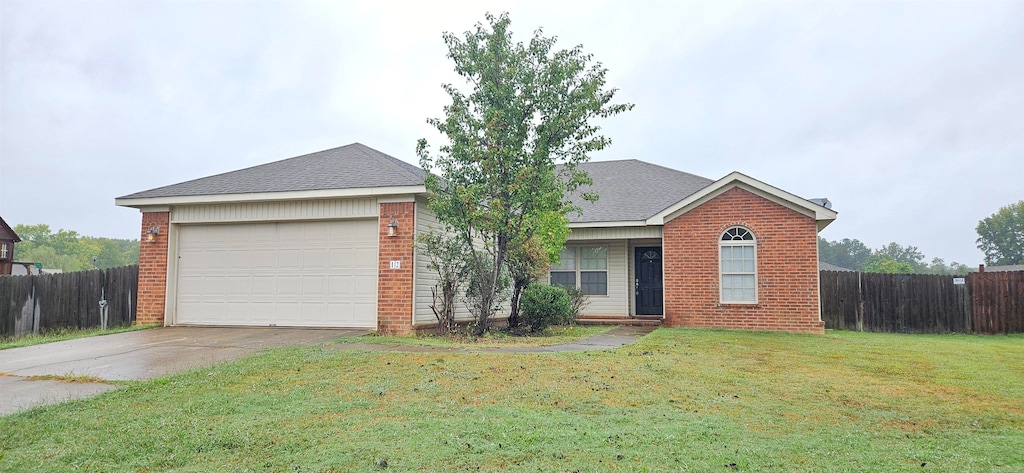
[67, 300]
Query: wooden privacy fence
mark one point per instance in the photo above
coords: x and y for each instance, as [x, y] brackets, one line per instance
[923, 303]
[31, 304]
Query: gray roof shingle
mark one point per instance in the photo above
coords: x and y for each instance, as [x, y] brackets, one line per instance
[631, 190]
[353, 166]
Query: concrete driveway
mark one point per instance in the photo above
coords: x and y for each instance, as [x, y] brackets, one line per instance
[140, 355]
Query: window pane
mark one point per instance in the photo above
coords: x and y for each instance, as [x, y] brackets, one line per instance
[594, 257]
[738, 287]
[594, 283]
[748, 265]
[563, 278]
[568, 260]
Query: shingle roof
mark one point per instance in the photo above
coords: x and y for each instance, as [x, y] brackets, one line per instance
[1008, 267]
[354, 166]
[7, 233]
[631, 190]
[823, 266]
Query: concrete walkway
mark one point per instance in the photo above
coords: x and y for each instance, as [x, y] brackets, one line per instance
[139, 355]
[614, 338]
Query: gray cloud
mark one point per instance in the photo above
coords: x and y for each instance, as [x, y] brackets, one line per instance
[907, 115]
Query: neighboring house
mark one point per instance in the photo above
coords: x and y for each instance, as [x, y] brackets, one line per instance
[823, 266]
[1008, 267]
[7, 240]
[327, 240]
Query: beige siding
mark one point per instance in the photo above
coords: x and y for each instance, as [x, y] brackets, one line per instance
[614, 233]
[617, 300]
[276, 211]
[425, 278]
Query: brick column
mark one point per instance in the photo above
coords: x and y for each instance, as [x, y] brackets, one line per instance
[152, 270]
[394, 286]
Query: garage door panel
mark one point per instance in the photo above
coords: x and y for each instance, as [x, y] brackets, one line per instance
[289, 273]
[289, 259]
[313, 286]
[264, 285]
[315, 259]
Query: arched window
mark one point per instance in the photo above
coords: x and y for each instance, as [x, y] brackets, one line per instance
[737, 263]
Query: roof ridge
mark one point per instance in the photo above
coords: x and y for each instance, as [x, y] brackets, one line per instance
[388, 159]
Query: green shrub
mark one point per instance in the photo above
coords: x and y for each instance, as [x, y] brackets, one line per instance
[577, 302]
[543, 305]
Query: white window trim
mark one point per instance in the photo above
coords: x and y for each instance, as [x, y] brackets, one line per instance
[578, 276]
[732, 243]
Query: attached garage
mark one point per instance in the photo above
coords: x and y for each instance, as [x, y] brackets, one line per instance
[301, 274]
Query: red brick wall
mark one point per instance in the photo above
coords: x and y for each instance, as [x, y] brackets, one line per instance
[395, 286]
[787, 266]
[152, 270]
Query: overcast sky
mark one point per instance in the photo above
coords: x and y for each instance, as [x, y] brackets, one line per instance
[909, 116]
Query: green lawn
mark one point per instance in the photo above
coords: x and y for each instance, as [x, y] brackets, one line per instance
[64, 334]
[678, 400]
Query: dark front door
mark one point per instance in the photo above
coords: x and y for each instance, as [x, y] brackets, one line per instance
[648, 280]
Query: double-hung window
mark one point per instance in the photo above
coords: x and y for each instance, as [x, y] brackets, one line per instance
[585, 267]
[738, 266]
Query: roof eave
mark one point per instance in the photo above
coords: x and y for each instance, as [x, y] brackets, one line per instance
[140, 202]
[823, 216]
[617, 223]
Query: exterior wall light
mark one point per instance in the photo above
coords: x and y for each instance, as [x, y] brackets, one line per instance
[154, 230]
[393, 227]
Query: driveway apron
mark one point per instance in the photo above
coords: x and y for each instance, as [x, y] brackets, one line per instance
[26, 374]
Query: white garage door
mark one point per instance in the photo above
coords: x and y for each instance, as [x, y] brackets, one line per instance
[300, 274]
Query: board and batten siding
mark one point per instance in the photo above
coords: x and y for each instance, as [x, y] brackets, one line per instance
[327, 209]
[614, 233]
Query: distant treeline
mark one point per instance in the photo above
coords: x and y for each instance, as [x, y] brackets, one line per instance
[68, 251]
[892, 258]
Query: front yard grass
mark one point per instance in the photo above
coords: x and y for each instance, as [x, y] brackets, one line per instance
[556, 335]
[64, 334]
[677, 400]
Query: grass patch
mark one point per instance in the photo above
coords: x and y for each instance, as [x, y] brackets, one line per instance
[677, 400]
[64, 334]
[556, 335]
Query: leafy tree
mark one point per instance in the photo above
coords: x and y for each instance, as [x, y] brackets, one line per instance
[885, 264]
[846, 253]
[1001, 235]
[513, 143]
[902, 254]
[447, 260]
[526, 264]
[68, 251]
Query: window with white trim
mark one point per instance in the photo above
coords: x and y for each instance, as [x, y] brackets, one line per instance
[585, 267]
[737, 262]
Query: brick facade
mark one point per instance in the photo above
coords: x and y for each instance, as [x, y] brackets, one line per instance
[787, 266]
[152, 270]
[395, 286]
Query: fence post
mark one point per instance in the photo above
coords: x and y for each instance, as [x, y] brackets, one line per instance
[860, 304]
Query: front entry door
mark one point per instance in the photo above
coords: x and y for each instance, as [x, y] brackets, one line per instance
[648, 280]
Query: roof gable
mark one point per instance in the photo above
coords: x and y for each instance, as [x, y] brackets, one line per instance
[819, 213]
[7, 233]
[354, 166]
